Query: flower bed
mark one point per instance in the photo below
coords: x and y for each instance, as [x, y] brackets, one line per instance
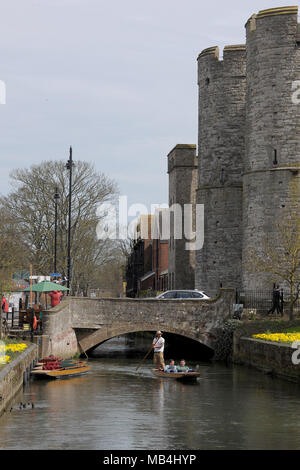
[279, 337]
[9, 351]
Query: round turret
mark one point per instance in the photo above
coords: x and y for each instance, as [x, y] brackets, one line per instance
[222, 88]
[271, 182]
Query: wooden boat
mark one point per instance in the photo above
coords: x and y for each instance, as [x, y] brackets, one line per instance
[67, 369]
[183, 376]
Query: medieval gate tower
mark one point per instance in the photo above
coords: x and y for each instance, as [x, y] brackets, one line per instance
[248, 147]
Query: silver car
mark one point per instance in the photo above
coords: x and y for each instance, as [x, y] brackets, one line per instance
[183, 294]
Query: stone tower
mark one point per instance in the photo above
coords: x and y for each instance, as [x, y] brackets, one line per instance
[222, 90]
[182, 170]
[271, 180]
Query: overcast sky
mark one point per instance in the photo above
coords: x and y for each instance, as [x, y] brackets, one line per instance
[115, 79]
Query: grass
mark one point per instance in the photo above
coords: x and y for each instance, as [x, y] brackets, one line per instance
[6, 340]
[293, 329]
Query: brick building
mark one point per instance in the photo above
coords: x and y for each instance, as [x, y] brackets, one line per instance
[147, 265]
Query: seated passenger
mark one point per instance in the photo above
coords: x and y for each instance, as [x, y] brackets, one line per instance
[171, 367]
[182, 366]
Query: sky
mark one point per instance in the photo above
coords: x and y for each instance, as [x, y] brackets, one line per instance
[115, 79]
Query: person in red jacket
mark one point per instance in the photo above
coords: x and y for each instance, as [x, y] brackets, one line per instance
[55, 297]
[4, 309]
[4, 304]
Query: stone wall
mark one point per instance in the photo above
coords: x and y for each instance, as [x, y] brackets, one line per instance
[14, 375]
[269, 357]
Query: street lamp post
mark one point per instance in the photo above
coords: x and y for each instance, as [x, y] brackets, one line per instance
[69, 166]
[56, 197]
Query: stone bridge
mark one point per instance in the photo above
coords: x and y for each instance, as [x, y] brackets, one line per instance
[79, 324]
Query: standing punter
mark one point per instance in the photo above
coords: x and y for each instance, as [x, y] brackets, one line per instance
[158, 346]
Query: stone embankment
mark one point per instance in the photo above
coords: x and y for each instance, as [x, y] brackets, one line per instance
[15, 374]
[269, 357]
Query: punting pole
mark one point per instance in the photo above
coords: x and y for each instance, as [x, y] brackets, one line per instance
[31, 285]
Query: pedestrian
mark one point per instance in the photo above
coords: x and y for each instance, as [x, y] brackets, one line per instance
[4, 305]
[158, 345]
[34, 322]
[276, 302]
[55, 297]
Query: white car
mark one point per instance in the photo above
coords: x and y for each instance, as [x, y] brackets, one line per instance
[183, 294]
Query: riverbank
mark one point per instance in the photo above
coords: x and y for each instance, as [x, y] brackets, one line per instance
[15, 374]
[270, 357]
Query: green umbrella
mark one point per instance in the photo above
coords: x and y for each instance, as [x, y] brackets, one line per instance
[45, 286]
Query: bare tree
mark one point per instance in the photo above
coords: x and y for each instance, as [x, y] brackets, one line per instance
[13, 253]
[283, 261]
[31, 206]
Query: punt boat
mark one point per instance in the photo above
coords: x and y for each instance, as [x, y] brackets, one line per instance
[59, 369]
[182, 376]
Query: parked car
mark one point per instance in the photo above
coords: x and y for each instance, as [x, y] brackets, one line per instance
[183, 294]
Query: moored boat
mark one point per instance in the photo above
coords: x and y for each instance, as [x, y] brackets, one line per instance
[54, 368]
[183, 376]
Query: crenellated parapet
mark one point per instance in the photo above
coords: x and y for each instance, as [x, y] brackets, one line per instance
[210, 51]
[279, 11]
[182, 156]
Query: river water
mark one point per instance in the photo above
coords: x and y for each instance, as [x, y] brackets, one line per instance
[114, 407]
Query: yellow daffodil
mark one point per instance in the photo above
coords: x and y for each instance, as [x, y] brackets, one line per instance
[279, 337]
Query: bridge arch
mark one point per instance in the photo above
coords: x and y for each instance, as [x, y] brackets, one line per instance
[99, 336]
